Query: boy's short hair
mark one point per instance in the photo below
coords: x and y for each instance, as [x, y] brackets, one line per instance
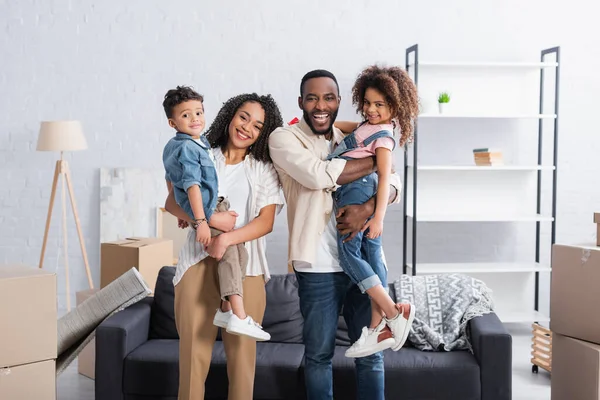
[178, 96]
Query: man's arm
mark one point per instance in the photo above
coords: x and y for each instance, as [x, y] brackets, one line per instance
[301, 164]
[308, 169]
[356, 169]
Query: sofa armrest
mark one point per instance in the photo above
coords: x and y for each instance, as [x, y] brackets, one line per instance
[492, 347]
[116, 337]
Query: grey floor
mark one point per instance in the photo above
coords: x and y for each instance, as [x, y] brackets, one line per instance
[526, 385]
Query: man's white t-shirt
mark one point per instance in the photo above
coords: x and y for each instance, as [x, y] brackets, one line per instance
[327, 256]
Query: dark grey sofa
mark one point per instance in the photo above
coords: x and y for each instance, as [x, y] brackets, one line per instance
[137, 356]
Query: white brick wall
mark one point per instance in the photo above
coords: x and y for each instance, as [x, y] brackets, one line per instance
[109, 64]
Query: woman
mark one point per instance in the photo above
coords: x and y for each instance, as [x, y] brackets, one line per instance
[239, 137]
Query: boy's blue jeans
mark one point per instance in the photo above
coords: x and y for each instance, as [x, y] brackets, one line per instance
[321, 298]
[361, 258]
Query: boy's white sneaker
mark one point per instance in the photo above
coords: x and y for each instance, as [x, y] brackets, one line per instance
[372, 341]
[401, 324]
[222, 318]
[246, 327]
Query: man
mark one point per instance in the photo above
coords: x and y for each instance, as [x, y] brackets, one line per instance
[298, 153]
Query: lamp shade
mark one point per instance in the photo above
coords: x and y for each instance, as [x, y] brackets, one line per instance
[61, 136]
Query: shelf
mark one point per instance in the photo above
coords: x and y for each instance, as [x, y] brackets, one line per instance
[510, 316]
[483, 168]
[523, 65]
[488, 217]
[488, 116]
[477, 268]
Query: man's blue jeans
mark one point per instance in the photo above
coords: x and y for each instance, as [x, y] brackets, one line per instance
[321, 298]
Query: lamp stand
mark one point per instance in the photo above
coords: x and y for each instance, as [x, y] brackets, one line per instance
[62, 170]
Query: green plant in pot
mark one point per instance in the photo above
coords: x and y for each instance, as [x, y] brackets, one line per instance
[443, 100]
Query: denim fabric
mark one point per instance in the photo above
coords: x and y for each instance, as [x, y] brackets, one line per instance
[188, 163]
[361, 258]
[349, 143]
[321, 298]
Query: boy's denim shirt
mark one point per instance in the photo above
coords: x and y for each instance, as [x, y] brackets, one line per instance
[187, 162]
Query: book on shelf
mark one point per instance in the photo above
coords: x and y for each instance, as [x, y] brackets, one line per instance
[486, 150]
[483, 157]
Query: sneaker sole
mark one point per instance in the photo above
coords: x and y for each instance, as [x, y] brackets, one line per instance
[386, 344]
[220, 324]
[411, 318]
[239, 333]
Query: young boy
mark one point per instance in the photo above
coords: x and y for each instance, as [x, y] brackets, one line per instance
[191, 174]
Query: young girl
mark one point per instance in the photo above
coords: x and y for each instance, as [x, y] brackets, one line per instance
[387, 99]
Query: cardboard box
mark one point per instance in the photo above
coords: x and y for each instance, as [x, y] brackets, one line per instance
[575, 369]
[147, 255]
[86, 361]
[166, 227]
[28, 316]
[30, 381]
[597, 222]
[574, 294]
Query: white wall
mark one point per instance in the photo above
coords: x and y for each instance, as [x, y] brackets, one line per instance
[109, 64]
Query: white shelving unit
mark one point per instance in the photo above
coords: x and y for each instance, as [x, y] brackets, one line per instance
[480, 194]
[490, 116]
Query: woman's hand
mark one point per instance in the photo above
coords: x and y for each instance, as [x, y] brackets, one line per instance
[217, 246]
[375, 227]
[223, 221]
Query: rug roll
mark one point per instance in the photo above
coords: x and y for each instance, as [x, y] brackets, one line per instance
[77, 328]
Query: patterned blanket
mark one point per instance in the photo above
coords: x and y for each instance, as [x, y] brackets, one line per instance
[444, 304]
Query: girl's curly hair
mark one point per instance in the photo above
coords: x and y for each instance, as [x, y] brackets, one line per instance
[218, 133]
[399, 91]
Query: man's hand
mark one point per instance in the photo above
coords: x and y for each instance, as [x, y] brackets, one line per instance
[351, 219]
[217, 246]
[182, 223]
[203, 234]
[223, 221]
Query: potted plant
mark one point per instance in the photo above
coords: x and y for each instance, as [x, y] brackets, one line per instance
[443, 99]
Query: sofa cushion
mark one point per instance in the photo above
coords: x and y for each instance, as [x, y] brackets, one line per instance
[283, 319]
[162, 316]
[277, 371]
[152, 369]
[416, 375]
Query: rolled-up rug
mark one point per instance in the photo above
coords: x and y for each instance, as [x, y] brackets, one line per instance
[77, 328]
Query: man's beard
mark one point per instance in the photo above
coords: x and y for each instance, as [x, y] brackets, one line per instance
[332, 117]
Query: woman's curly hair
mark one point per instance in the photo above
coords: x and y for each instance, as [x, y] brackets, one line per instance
[218, 133]
[399, 91]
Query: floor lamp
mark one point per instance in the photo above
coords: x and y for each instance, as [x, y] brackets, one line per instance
[63, 136]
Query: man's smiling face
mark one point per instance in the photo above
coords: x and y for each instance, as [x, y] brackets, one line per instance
[320, 102]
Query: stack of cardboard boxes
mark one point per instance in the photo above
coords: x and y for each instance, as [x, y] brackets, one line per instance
[575, 321]
[148, 255]
[28, 334]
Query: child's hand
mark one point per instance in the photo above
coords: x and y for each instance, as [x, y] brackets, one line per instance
[203, 234]
[375, 227]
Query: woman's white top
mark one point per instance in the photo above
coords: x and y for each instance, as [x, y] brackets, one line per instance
[259, 189]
